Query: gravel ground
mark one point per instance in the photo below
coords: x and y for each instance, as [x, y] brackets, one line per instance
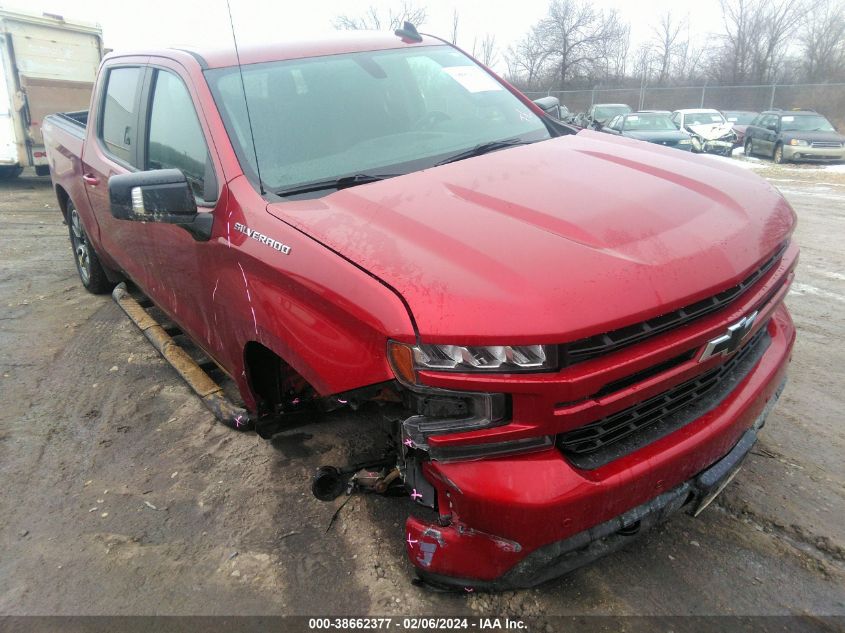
[123, 496]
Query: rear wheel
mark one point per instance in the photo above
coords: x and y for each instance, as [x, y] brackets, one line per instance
[7, 172]
[777, 157]
[88, 265]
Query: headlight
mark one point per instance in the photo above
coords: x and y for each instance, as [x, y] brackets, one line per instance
[798, 142]
[685, 141]
[408, 359]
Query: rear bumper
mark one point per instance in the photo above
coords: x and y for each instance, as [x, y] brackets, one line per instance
[517, 521]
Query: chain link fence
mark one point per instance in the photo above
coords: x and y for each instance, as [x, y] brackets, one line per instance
[828, 99]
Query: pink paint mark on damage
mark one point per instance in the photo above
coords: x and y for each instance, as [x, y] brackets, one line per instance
[469, 589]
[410, 541]
[415, 495]
[409, 442]
[238, 421]
[341, 401]
[214, 292]
[295, 401]
[249, 298]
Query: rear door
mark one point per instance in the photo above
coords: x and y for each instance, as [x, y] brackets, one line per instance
[112, 147]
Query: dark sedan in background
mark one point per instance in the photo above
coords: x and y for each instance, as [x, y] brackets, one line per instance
[649, 126]
[788, 135]
[740, 120]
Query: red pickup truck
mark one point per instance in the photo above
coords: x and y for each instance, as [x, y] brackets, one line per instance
[581, 333]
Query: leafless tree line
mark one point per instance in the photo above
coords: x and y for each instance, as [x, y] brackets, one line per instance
[578, 45]
[761, 41]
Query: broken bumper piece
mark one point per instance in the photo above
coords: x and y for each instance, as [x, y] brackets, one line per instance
[515, 521]
[563, 556]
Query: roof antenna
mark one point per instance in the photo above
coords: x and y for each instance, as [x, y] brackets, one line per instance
[246, 102]
[408, 32]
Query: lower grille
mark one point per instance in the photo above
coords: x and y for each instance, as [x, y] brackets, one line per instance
[612, 437]
[826, 144]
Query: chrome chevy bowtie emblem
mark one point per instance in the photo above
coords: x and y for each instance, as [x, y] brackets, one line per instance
[729, 342]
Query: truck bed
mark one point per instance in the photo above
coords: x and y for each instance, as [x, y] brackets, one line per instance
[64, 136]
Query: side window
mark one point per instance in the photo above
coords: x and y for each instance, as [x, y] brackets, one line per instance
[174, 135]
[120, 114]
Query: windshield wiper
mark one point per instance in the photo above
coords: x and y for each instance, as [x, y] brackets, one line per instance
[334, 183]
[483, 148]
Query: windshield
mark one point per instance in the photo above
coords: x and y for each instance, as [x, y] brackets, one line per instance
[740, 118]
[382, 112]
[605, 113]
[703, 118]
[805, 123]
[635, 122]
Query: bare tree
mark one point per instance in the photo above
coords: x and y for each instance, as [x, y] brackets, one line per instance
[455, 19]
[823, 41]
[755, 38]
[527, 58]
[667, 43]
[488, 50]
[579, 37]
[375, 20]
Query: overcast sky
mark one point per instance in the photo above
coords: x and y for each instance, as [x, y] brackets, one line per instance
[158, 23]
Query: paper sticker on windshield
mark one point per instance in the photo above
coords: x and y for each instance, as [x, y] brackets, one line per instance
[633, 117]
[473, 79]
[787, 119]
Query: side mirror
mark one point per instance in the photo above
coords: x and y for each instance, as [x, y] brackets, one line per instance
[549, 105]
[161, 195]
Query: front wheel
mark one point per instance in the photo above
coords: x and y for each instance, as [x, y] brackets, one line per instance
[749, 147]
[777, 157]
[88, 265]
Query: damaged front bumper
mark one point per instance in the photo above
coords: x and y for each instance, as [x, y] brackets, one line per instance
[515, 521]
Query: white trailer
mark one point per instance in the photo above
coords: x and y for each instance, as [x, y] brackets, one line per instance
[47, 65]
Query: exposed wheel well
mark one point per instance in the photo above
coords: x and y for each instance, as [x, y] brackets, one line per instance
[63, 198]
[272, 380]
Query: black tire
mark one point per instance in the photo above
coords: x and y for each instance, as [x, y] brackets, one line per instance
[7, 172]
[91, 272]
[749, 147]
[777, 155]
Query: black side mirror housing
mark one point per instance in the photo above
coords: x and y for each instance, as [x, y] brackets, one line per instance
[161, 195]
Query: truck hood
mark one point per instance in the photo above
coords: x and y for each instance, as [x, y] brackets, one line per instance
[552, 241]
[711, 131]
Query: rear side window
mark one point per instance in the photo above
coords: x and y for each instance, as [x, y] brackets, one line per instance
[175, 137]
[120, 113]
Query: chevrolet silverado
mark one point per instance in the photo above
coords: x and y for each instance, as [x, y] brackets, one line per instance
[581, 333]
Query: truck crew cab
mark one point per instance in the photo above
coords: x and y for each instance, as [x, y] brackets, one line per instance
[583, 333]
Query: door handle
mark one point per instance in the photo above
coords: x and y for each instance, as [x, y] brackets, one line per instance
[90, 179]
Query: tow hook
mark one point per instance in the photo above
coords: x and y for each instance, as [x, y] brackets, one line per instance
[380, 476]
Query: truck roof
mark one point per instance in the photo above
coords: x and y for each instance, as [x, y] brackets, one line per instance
[331, 43]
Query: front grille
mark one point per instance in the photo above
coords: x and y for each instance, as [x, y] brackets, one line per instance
[826, 144]
[601, 344]
[607, 439]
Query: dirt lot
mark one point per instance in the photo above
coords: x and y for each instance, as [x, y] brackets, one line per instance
[122, 495]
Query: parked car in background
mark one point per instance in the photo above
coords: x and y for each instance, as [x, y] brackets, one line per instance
[787, 135]
[47, 65]
[739, 119]
[600, 113]
[651, 127]
[709, 130]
